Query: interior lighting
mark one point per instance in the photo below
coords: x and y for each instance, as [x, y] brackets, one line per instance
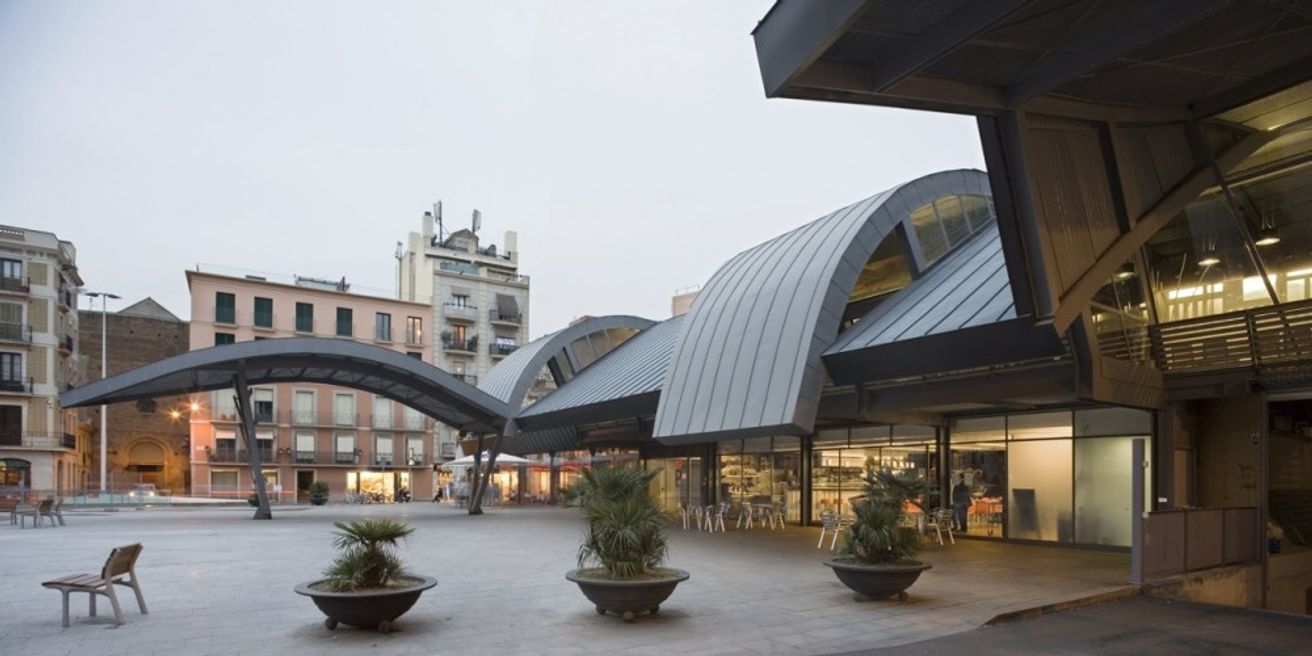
[1209, 259]
[1267, 237]
[195, 406]
[1124, 272]
[175, 414]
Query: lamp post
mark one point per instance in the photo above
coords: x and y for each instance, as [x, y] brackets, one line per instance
[104, 373]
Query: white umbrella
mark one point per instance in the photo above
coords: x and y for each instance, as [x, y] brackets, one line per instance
[502, 459]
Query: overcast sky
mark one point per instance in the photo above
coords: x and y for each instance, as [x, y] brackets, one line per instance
[629, 143]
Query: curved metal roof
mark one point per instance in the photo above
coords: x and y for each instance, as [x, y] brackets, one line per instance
[344, 363]
[635, 368]
[967, 288]
[510, 380]
[748, 357]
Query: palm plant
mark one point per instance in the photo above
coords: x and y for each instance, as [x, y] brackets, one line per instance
[367, 558]
[625, 531]
[877, 535]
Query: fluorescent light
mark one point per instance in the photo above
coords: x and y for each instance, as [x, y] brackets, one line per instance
[1267, 237]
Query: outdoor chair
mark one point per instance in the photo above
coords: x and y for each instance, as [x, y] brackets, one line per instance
[829, 523]
[10, 506]
[715, 517]
[56, 513]
[943, 524]
[120, 569]
[684, 514]
[43, 508]
[777, 515]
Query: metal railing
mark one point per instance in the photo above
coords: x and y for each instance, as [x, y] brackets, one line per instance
[470, 345]
[11, 284]
[468, 378]
[501, 349]
[305, 325]
[15, 332]
[20, 386]
[227, 316]
[411, 422]
[263, 320]
[496, 315]
[40, 440]
[1275, 339]
[381, 421]
[67, 343]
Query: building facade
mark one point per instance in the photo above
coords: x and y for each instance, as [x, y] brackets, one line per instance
[39, 281]
[355, 442]
[480, 302]
[147, 442]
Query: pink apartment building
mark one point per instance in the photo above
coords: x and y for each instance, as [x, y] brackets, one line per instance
[356, 442]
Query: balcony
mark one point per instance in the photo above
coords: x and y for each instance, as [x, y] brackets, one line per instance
[19, 386]
[67, 300]
[381, 421]
[66, 344]
[495, 316]
[447, 449]
[469, 346]
[346, 458]
[460, 313]
[414, 339]
[264, 416]
[345, 419]
[302, 418]
[227, 455]
[15, 332]
[305, 457]
[382, 460]
[501, 350]
[468, 378]
[11, 285]
[39, 441]
[411, 422]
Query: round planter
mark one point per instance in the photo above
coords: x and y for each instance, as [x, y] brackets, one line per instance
[318, 501]
[628, 597]
[877, 581]
[372, 609]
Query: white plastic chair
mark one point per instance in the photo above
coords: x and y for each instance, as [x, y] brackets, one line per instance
[829, 524]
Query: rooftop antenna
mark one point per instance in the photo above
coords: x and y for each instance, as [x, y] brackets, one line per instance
[399, 252]
[437, 214]
[476, 221]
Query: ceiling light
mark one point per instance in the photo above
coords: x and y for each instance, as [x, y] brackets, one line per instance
[1209, 259]
[1267, 237]
[1124, 272]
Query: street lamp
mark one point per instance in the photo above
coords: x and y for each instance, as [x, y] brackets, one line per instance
[104, 373]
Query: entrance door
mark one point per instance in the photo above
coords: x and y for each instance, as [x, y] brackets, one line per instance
[304, 478]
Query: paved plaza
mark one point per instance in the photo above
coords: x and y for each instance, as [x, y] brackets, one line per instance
[217, 582]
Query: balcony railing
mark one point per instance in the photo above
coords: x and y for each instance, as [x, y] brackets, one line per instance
[305, 325]
[66, 343]
[381, 421]
[467, 345]
[456, 312]
[501, 350]
[345, 419]
[468, 378]
[346, 458]
[1274, 340]
[264, 416]
[496, 316]
[15, 285]
[414, 339]
[20, 386]
[264, 320]
[226, 455]
[410, 422]
[225, 315]
[382, 460]
[447, 449]
[15, 332]
[39, 440]
[304, 457]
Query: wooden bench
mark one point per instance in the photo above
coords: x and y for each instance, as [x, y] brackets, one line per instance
[121, 565]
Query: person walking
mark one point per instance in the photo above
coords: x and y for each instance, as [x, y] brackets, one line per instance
[960, 502]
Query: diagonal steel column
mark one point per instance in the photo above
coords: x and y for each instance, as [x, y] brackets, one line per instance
[243, 398]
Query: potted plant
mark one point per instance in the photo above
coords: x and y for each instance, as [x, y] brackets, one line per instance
[625, 536]
[318, 493]
[367, 586]
[877, 559]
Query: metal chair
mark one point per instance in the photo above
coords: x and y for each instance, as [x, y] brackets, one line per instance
[829, 523]
[943, 524]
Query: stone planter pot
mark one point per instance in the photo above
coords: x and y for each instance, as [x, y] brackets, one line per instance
[628, 597]
[371, 609]
[877, 581]
[318, 501]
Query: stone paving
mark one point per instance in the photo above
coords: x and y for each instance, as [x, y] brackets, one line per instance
[217, 582]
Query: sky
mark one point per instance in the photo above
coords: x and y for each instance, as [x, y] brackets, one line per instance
[630, 144]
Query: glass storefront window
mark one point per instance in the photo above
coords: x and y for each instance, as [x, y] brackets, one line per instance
[1039, 494]
[1039, 425]
[982, 466]
[979, 429]
[1113, 421]
[1103, 468]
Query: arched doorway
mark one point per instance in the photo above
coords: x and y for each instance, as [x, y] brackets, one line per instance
[145, 462]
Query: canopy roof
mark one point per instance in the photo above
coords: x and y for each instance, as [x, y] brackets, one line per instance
[1126, 59]
[345, 363]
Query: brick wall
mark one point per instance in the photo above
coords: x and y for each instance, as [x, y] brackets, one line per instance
[135, 341]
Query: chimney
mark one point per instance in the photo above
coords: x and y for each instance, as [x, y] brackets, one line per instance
[511, 243]
[428, 226]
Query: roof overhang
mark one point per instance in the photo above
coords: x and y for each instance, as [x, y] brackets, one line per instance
[343, 363]
[1126, 60]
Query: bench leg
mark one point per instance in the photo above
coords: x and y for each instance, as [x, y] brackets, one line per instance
[65, 592]
[141, 599]
[113, 601]
[93, 604]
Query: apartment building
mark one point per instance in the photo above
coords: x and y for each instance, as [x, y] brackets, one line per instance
[357, 443]
[39, 284]
[479, 300]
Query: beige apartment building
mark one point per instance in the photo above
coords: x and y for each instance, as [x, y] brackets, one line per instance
[39, 283]
[479, 300]
[356, 442]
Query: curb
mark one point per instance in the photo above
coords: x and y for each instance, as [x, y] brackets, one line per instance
[1048, 609]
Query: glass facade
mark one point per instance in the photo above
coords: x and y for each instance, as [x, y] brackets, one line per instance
[1052, 476]
[839, 459]
[761, 471]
